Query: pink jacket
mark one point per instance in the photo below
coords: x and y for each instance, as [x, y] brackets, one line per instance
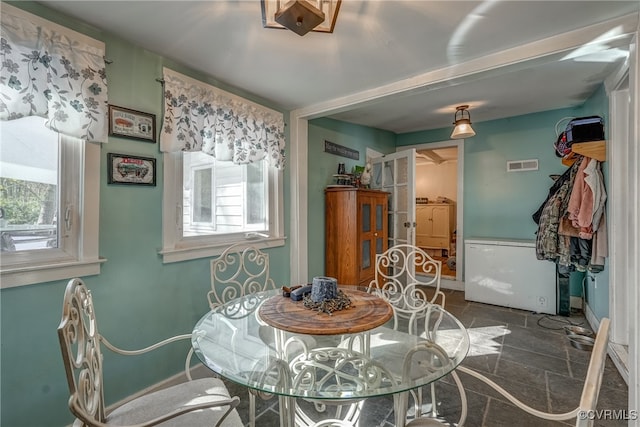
[580, 207]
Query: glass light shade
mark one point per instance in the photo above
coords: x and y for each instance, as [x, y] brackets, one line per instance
[462, 130]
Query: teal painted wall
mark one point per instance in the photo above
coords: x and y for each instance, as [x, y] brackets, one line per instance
[138, 299]
[497, 203]
[323, 165]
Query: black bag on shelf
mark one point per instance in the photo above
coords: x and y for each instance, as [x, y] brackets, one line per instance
[584, 129]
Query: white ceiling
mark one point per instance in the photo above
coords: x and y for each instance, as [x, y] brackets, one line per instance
[437, 155]
[428, 56]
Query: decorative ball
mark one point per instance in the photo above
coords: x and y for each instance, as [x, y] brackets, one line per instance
[323, 288]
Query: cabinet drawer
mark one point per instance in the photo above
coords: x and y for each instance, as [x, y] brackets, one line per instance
[422, 241]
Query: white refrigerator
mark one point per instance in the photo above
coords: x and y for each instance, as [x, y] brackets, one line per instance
[506, 273]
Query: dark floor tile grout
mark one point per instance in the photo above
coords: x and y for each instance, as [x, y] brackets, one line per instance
[495, 368]
[548, 390]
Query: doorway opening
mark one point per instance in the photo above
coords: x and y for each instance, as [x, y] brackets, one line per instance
[439, 190]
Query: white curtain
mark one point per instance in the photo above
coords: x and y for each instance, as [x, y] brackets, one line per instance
[200, 117]
[53, 72]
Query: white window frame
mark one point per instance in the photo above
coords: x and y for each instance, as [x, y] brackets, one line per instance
[203, 225]
[79, 195]
[175, 248]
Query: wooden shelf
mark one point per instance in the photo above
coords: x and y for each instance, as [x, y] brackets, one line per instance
[594, 149]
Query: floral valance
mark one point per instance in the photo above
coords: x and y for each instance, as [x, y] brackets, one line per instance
[53, 72]
[200, 117]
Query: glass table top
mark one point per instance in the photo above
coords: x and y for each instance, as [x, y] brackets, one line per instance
[234, 342]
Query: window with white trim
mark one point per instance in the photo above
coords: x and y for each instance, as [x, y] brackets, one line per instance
[52, 76]
[48, 229]
[210, 204]
[223, 162]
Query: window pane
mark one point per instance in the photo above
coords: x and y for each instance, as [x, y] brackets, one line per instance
[257, 195]
[222, 197]
[229, 197]
[379, 217]
[366, 217]
[29, 192]
[202, 196]
[366, 254]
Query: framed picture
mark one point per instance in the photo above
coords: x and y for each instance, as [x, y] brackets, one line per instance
[132, 124]
[126, 169]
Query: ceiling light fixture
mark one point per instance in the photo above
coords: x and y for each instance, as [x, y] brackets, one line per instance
[462, 124]
[300, 16]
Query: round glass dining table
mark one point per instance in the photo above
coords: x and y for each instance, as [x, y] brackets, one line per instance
[236, 343]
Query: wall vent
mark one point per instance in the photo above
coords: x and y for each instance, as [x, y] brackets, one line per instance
[522, 165]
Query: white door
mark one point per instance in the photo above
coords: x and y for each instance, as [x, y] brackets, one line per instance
[396, 174]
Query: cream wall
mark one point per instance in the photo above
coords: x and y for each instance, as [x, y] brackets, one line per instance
[434, 180]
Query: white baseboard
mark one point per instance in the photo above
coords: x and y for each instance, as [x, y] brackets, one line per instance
[591, 318]
[619, 354]
[575, 302]
[445, 283]
[452, 284]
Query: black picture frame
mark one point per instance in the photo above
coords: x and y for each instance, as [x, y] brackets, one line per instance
[128, 123]
[126, 169]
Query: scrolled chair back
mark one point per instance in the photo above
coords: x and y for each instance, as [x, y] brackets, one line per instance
[81, 354]
[240, 270]
[409, 290]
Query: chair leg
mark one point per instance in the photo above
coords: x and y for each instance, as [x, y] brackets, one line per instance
[463, 399]
[418, 402]
[400, 402]
[434, 408]
[252, 409]
[432, 420]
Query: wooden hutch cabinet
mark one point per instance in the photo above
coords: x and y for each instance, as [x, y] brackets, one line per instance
[356, 227]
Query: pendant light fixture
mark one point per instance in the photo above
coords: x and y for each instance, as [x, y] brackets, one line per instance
[300, 16]
[462, 124]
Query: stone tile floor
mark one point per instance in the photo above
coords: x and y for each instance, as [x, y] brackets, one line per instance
[527, 353]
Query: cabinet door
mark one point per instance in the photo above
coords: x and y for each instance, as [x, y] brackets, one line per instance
[373, 233]
[423, 225]
[440, 221]
[366, 211]
[381, 224]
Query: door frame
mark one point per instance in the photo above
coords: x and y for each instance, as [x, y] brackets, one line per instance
[623, 148]
[458, 283]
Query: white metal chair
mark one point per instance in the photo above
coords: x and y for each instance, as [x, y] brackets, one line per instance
[203, 402]
[588, 398]
[241, 270]
[344, 369]
[397, 280]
